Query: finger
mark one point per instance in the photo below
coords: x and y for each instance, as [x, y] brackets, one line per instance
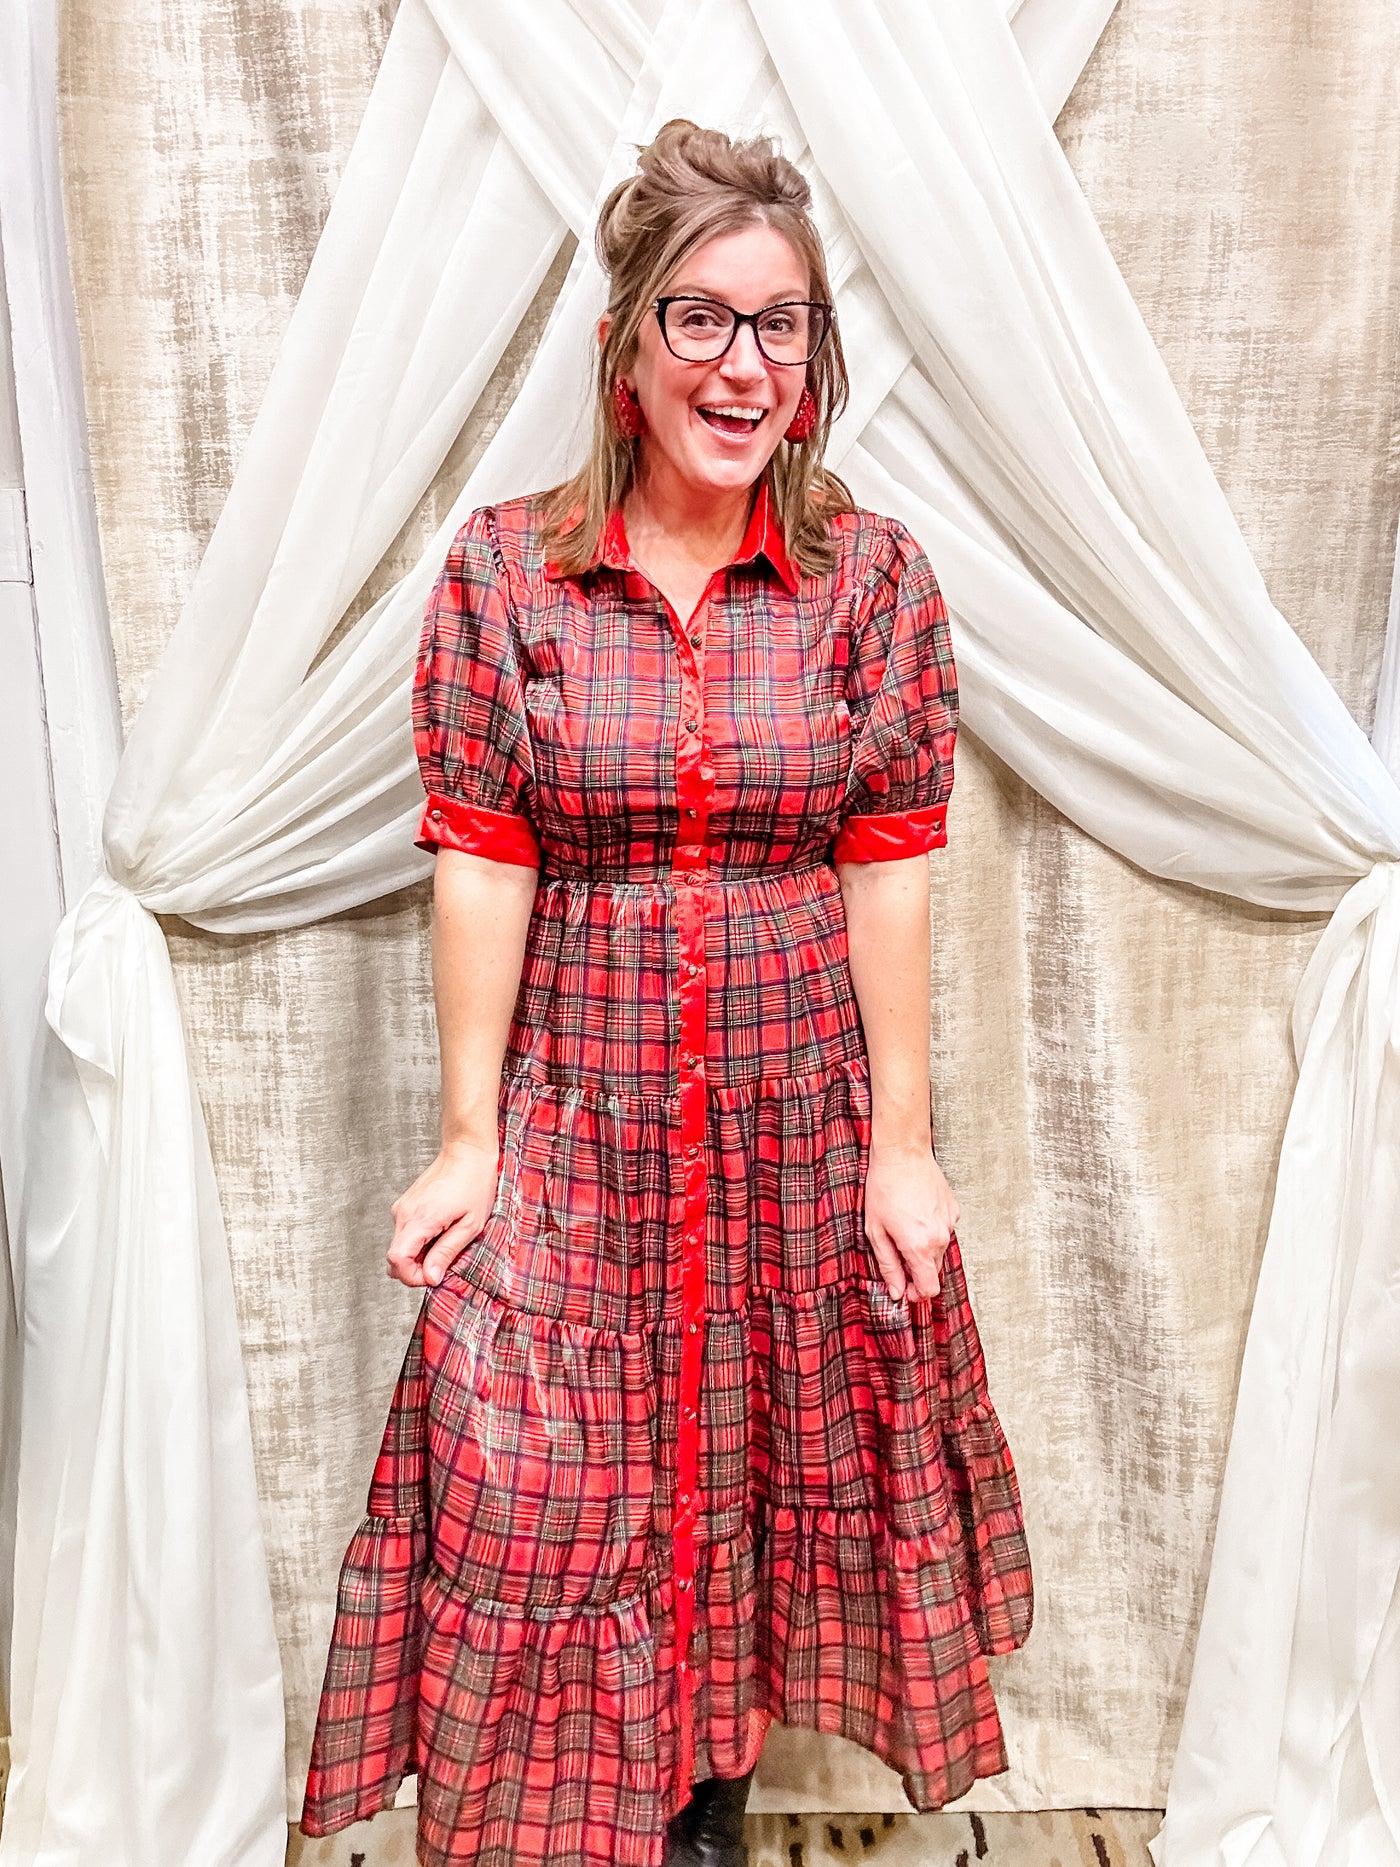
[406, 1249]
[934, 1268]
[924, 1275]
[920, 1268]
[891, 1265]
[444, 1249]
[406, 1270]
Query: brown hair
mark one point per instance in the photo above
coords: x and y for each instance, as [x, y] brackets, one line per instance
[692, 185]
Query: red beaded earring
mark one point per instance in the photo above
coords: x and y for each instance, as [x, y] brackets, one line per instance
[627, 410]
[804, 419]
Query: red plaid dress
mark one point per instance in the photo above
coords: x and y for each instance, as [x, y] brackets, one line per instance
[666, 1462]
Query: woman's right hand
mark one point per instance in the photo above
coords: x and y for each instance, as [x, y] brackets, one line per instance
[442, 1212]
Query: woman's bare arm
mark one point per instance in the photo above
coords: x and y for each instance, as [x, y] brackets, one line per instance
[481, 914]
[909, 1207]
[887, 929]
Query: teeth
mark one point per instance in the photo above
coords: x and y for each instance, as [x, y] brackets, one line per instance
[733, 408]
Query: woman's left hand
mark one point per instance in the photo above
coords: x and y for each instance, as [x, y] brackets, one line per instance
[910, 1213]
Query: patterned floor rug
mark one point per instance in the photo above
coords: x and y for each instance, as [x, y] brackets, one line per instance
[1055, 1838]
[1052, 1838]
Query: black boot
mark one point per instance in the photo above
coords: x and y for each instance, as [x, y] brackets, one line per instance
[709, 1831]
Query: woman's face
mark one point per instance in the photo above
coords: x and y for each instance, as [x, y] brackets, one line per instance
[687, 431]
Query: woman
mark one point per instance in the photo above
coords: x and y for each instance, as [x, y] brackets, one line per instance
[693, 1431]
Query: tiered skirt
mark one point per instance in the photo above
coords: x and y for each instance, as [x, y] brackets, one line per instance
[587, 1576]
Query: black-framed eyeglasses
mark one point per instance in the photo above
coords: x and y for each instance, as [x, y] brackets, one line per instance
[700, 330]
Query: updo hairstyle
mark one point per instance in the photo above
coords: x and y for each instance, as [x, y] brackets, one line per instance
[692, 185]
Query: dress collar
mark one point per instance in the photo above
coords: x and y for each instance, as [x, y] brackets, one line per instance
[763, 537]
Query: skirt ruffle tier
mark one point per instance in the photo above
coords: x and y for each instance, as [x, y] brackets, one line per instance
[504, 1625]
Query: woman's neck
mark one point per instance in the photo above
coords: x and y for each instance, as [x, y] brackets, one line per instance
[706, 527]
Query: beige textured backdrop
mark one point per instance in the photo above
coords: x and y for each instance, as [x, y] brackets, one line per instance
[1111, 1057]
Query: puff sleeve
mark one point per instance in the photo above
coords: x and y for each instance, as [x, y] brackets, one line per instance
[902, 698]
[469, 726]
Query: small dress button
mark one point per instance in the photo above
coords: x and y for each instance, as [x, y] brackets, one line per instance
[691, 724]
[690, 811]
[436, 815]
[696, 640]
[684, 1583]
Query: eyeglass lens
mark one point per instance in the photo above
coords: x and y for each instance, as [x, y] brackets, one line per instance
[700, 329]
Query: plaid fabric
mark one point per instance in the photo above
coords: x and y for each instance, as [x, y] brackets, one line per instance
[666, 1461]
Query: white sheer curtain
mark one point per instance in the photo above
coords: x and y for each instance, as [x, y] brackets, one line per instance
[1116, 646]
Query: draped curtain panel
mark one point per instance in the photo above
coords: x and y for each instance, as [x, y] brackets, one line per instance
[1112, 1056]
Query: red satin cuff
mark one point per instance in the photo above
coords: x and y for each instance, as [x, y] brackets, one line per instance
[500, 835]
[885, 838]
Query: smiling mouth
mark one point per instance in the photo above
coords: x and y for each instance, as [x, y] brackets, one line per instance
[735, 419]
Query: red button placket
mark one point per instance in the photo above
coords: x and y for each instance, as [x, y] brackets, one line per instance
[695, 790]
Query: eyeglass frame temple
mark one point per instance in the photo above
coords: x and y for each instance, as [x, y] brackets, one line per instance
[746, 317]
